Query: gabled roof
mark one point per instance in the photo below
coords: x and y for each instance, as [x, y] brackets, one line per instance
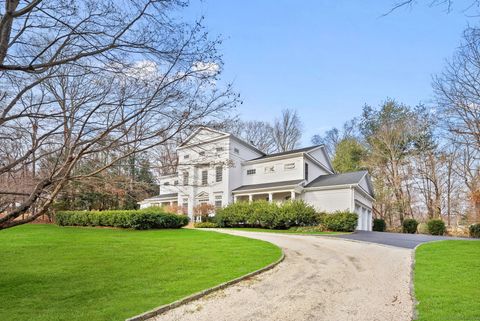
[352, 178]
[293, 151]
[268, 185]
[199, 129]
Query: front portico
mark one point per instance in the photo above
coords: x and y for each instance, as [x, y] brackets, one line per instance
[272, 192]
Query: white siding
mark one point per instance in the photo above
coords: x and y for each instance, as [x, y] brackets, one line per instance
[329, 200]
[320, 156]
[279, 174]
[314, 171]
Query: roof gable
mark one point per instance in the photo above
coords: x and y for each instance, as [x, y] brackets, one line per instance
[352, 178]
[203, 134]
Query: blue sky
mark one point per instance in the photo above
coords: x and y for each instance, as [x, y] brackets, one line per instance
[326, 59]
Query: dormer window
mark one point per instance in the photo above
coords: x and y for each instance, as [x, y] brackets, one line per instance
[289, 166]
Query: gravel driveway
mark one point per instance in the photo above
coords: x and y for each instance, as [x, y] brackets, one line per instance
[321, 278]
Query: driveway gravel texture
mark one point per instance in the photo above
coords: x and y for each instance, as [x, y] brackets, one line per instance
[321, 278]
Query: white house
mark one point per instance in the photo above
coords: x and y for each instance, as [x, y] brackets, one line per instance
[219, 168]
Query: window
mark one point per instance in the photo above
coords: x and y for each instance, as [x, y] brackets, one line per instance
[218, 173]
[175, 182]
[269, 169]
[306, 171]
[166, 183]
[218, 201]
[219, 149]
[251, 171]
[204, 177]
[186, 156]
[236, 151]
[185, 178]
[289, 166]
[201, 153]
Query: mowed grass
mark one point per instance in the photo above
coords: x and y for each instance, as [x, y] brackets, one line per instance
[255, 229]
[68, 273]
[447, 278]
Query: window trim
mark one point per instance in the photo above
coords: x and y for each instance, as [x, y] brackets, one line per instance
[218, 174]
[204, 177]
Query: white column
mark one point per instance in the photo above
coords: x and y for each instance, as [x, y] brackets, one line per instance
[171, 203]
[250, 198]
[292, 195]
[270, 197]
[234, 198]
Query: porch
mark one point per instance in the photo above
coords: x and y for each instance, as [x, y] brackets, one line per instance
[270, 196]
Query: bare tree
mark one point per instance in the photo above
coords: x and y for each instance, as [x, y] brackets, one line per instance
[86, 85]
[287, 131]
[332, 137]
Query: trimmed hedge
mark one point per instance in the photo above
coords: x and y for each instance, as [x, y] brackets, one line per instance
[340, 221]
[144, 219]
[379, 225]
[205, 225]
[436, 227]
[267, 215]
[409, 226]
[474, 230]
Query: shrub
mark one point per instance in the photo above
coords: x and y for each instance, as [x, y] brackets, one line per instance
[205, 225]
[379, 225]
[308, 229]
[436, 227]
[474, 230]
[409, 226]
[267, 215]
[203, 211]
[148, 218]
[422, 228]
[341, 221]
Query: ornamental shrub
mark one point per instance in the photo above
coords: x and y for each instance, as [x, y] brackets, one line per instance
[422, 228]
[148, 218]
[341, 221]
[205, 225]
[379, 225]
[436, 227]
[474, 230]
[409, 226]
[266, 215]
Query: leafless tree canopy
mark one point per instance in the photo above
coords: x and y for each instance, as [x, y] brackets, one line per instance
[287, 131]
[86, 84]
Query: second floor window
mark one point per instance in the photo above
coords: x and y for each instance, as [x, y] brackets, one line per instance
[204, 177]
[166, 183]
[175, 183]
[289, 166]
[201, 153]
[186, 156]
[218, 173]
[236, 150]
[219, 149]
[251, 171]
[306, 171]
[269, 169]
[185, 178]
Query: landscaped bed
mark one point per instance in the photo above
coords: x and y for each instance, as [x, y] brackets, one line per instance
[72, 273]
[447, 278]
[289, 231]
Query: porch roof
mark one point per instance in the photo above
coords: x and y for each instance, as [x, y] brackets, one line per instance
[162, 197]
[274, 185]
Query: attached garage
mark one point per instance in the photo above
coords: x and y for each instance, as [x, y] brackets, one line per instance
[350, 191]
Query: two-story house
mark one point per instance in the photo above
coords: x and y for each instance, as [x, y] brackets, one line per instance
[219, 168]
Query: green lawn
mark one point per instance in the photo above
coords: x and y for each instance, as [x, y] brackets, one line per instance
[67, 273]
[447, 278]
[254, 229]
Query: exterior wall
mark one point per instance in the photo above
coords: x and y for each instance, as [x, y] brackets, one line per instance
[321, 157]
[363, 207]
[280, 173]
[329, 200]
[313, 170]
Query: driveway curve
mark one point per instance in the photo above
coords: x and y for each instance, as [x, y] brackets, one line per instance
[321, 278]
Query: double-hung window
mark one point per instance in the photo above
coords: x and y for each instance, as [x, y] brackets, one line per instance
[218, 173]
[205, 177]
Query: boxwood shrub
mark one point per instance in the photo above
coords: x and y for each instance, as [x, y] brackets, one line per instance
[341, 221]
[379, 225]
[267, 215]
[148, 218]
[474, 230]
[409, 226]
[436, 227]
[205, 225]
